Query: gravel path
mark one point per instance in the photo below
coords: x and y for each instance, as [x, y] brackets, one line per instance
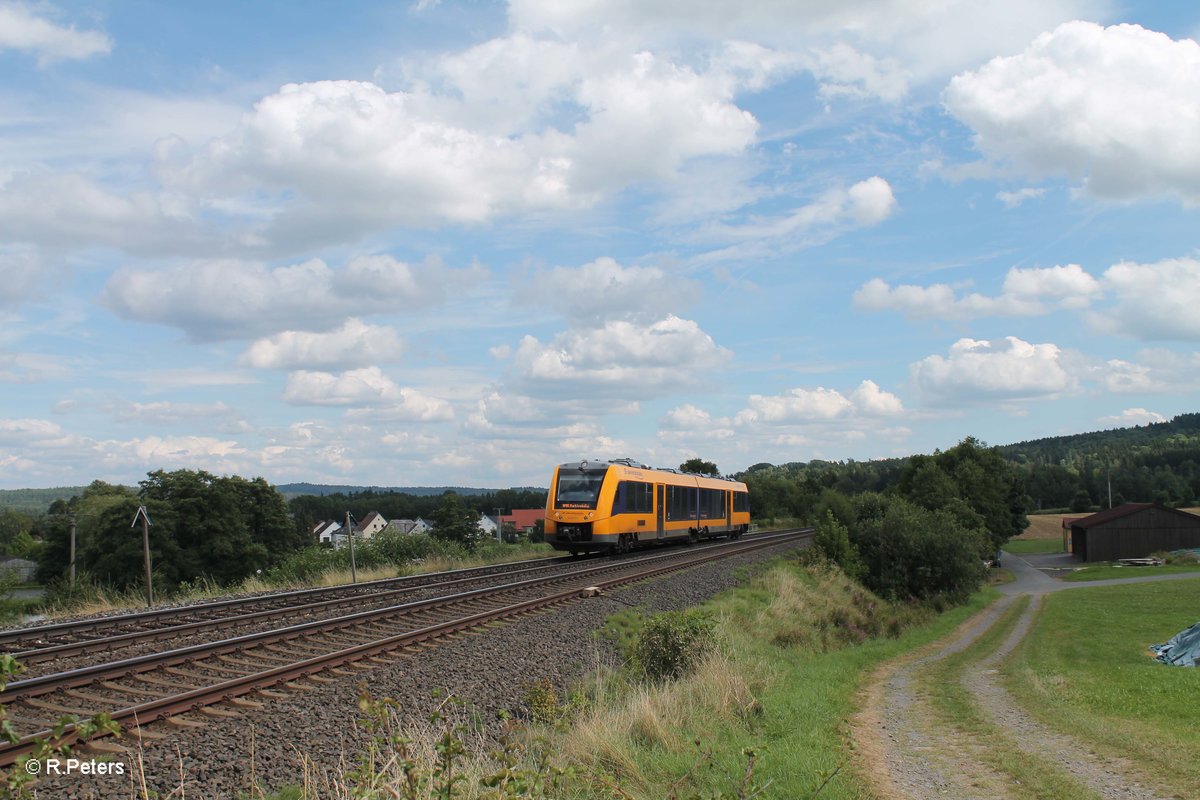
[906, 753]
[487, 671]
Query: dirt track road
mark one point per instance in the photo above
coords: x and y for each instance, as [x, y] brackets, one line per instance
[908, 751]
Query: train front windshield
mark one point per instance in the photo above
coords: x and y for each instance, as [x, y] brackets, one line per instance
[578, 489]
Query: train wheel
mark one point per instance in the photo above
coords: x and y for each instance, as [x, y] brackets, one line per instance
[693, 536]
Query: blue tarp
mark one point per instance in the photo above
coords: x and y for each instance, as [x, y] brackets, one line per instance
[1182, 650]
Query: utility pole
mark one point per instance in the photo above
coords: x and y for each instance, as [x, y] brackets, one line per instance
[145, 517]
[499, 527]
[350, 538]
[1108, 470]
[71, 570]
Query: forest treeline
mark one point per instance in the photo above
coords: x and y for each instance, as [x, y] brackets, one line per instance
[972, 497]
[1157, 462]
[221, 529]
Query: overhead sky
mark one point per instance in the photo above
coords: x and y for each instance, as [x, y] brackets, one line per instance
[441, 243]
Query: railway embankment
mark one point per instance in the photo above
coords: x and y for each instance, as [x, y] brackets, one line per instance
[816, 688]
[254, 747]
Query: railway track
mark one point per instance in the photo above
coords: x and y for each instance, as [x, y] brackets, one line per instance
[248, 669]
[67, 644]
[25, 643]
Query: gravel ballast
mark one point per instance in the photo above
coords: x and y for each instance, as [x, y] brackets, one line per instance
[488, 672]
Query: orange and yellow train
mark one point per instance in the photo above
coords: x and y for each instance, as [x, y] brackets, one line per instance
[618, 505]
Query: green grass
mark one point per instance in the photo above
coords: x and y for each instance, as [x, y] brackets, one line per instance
[14, 609]
[1101, 572]
[1034, 546]
[1085, 669]
[795, 643]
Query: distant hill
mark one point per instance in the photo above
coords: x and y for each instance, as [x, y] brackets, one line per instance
[36, 501]
[1181, 432]
[290, 490]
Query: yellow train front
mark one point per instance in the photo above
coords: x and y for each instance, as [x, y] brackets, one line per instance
[618, 505]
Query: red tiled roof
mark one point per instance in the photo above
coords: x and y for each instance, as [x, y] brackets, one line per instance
[522, 518]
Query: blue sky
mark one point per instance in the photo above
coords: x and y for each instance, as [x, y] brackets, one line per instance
[456, 243]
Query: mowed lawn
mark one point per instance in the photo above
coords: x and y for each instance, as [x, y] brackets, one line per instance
[1085, 669]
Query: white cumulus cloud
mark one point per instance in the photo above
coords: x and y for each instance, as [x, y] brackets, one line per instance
[364, 388]
[351, 157]
[1156, 301]
[1026, 292]
[1115, 108]
[813, 405]
[604, 289]
[625, 358]
[355, 344]
[1132, 416]
[214, 300]
[25, 26]
[979, 370]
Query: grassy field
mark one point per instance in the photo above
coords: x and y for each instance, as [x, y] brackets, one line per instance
[1049, 526]
[94, 599]
[799, 641]
[1046, 526]
[1085, 669]
[1099, 572]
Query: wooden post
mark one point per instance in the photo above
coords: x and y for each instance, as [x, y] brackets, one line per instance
[145, 517]
[71, 571]
[350, 539]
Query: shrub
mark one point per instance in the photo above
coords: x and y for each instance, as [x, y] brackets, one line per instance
[671, 644]
[833, 540]
[911, 552]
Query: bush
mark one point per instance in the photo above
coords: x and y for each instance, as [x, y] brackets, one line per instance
[671, 644]
[911, 552]
[833, 540]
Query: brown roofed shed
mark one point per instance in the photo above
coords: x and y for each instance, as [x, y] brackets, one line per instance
[1133, 530]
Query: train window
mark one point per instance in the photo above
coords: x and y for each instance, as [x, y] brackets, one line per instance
[633, 497]
[712, 503]
[741, 501]
[681, 503]
[578, 489]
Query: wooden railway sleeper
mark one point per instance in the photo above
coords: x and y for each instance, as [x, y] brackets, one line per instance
[115, 687]
[342, 639]
[146, 677]
[213, 711]
[251, 666]
[91, 698]
[46, 705]
[181, 722]
[313, 650]
[194, 676]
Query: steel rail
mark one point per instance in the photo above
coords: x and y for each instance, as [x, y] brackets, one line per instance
[58, 629]
[153, 634]
[235, 687]
[292, 603]
[44, 684]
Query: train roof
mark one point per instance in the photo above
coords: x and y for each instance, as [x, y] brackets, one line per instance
[589, 465]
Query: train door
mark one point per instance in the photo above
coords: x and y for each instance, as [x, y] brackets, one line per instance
[660, 493]
[729, 511]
